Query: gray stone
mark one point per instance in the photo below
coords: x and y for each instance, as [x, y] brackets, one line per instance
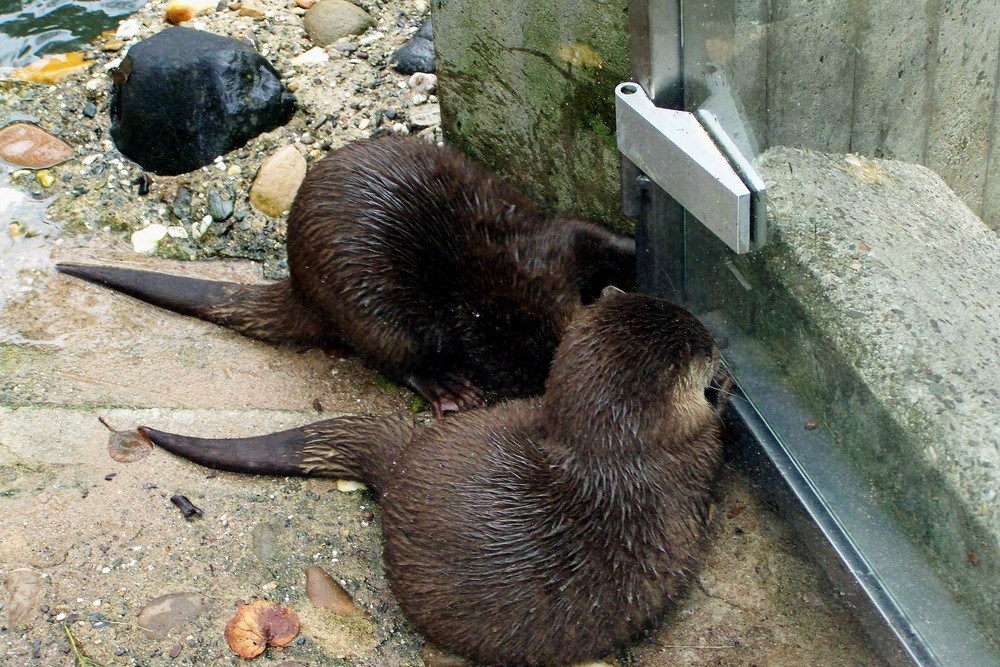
[428, 116]
[22, 585]
[417, 55]
[166, 612]
[219, 207]
[331, 20]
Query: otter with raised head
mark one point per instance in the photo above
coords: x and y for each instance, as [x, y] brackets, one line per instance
[433, 270]
[539, 531]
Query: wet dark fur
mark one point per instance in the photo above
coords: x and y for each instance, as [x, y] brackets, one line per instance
[432, 269]
[539, 531]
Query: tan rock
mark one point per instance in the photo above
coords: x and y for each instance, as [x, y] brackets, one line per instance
[323, 591]
[277, 182]
[23, 586]
[26, 145]
[179, 11]
[251, 9]
[330, 20]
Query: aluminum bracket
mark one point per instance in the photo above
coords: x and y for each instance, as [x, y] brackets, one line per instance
[678, 154]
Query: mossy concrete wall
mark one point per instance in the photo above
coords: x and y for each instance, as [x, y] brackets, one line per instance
[880, 296]
[527, 89]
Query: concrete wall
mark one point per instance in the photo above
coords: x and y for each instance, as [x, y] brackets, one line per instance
[527, 88]
[913, 81]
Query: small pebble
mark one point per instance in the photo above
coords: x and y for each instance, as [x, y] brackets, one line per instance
[128, 29]
[422, 82]
[348, 486]
[181, 206]
[110, 476]
[89, 109]
[220, 206]
[176, 650]
[345, 46]
[419, 98]
[46, 178]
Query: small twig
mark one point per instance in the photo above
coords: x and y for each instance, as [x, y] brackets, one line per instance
[107, 425]
[78, 657]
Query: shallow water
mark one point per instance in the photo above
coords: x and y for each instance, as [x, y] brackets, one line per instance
[25, 240]
[31, 28]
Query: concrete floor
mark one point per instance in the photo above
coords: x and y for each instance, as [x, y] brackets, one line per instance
[82, 535]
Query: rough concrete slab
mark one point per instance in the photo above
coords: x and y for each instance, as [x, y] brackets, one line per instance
[881, 295]
[106, 541]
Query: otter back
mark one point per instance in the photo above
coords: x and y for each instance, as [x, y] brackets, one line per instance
[536, 532]
[432, 269]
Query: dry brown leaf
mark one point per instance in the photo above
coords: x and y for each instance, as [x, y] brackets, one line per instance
[259, 625]
[129, 446]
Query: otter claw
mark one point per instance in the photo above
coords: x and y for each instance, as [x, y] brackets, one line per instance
[452, 394]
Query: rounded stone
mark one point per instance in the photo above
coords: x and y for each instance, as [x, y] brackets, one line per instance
[183, 97]
[331, 20]
[25, 145]
[280, 175]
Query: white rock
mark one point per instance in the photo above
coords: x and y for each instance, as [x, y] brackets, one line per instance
[419, 98]
[347, 486]
[428, 117]
[314, 56]
[198, 229]
[177, 232]
[128, 29]
[146, 240]
[422, 82]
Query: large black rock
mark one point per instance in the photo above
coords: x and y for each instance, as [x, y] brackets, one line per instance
[183, 97]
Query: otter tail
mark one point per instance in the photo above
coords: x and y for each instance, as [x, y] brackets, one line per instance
[359, 448]
[270, 312]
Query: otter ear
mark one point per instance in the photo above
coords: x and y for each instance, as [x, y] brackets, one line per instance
[610, 290]
[602, 258]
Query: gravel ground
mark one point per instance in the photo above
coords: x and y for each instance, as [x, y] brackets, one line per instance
[94, 541]
[351, 96]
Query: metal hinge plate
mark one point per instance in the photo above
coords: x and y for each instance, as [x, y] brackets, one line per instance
[675, 151]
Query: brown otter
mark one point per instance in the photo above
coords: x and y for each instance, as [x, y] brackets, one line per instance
[432, 269]
[538, 531]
